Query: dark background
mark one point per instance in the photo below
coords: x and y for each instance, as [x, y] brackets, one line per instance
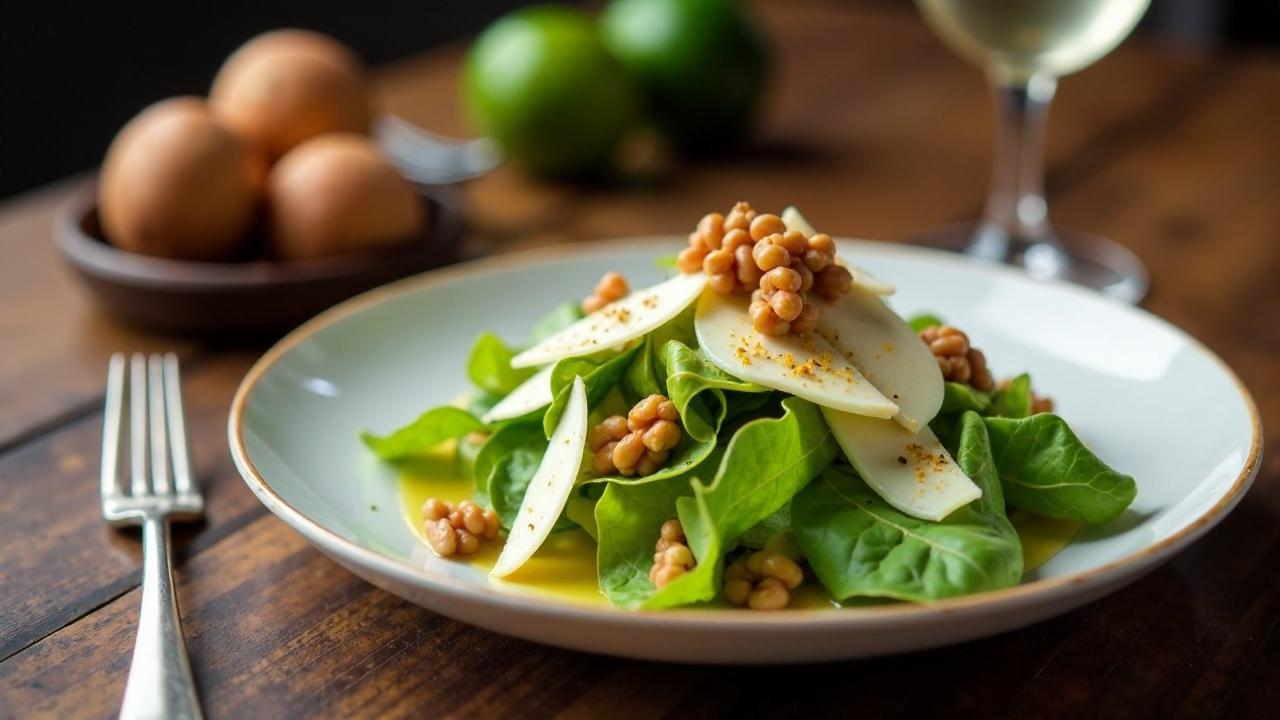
[71, 73]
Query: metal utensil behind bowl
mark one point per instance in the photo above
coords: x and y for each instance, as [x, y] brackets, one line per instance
[425, 158]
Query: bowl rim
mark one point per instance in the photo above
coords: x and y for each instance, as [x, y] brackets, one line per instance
[96, 257]
[1128, 566]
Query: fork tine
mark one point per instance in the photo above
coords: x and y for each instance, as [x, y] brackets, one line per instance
[179, 449]
[138, 424]
[427, 158]
[112, 419]
[159, 435]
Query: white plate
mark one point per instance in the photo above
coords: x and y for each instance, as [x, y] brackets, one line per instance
[1150, 400]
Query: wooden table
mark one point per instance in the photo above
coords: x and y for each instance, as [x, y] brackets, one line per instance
[877, 131]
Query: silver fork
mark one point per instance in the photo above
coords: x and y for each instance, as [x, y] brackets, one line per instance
[160, 682]
[426, 158]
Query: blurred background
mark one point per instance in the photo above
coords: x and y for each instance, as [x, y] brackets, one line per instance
[74, 72]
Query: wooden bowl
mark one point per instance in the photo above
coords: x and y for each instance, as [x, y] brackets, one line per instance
[247, 298]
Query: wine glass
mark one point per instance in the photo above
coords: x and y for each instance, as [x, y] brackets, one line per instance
[1025, 46]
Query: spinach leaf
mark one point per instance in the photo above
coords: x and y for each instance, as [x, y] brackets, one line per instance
[1014, 400]
[764, 464]
[562, 316]
[582, 511]
[646, 375]
[640, 379]
[757, 535]
[430, 429]
[628, 518]
[860, 546]
[509, 479]
[489, 366]
[505, 465]
[688, 376]
[923, 320]
[507, 439]
[599, 372]
[739, 405]
[482, 402]
[468, 448]
[1045, 469]
[958, 397]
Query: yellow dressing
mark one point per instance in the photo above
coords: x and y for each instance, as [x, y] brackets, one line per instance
[565, 566]
[811, 596]
[1041, 537]
[432, 475]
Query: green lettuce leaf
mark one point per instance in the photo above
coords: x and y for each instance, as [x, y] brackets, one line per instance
[739, 405]
[430, 429]
[506, 440]
[600, 373]
[923, 320]
[1045, 469]
[505, 465]
[627, 519]
[1014, 401]
[764, 464]
[757, 535]
[489, 366]
[958, 397]
[582, 511]
[509, 479]
[468, 448]
[481, 402]
[696, 387]
[859, 546]
[646, 375]
[562, 316]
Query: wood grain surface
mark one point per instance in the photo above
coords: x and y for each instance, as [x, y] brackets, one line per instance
[877, 131]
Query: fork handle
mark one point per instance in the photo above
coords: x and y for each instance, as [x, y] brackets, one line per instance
[160, 684]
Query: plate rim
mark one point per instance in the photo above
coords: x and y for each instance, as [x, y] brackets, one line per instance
[1128, 566]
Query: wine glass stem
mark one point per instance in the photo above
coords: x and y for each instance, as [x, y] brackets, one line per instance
[1016, 217]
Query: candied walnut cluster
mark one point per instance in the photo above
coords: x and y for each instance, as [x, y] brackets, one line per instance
[762, 580]
[1041, 404]
[727, 241]
[639, 443]
[612, 287]
[457, 529]
[671, 555]
[750, 252]
[959, 361]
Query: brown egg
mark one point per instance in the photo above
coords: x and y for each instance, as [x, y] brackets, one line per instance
[177, 184]
[336, 194]
[286, 86]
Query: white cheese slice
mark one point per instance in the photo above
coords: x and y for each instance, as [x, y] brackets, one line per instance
[633, 316]
[792, 218]
[887, 351]
[807, 367]
[911, 471]
[527, 397]
[550, 486]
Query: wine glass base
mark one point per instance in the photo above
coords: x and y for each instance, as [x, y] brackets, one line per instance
[1084, 259]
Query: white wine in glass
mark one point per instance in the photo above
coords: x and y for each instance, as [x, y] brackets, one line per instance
[1024, 46]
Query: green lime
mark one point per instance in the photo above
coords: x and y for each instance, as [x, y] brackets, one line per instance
[702, 64]
[540, 81]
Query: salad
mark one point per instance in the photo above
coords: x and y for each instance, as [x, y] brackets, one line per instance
[758, 422]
